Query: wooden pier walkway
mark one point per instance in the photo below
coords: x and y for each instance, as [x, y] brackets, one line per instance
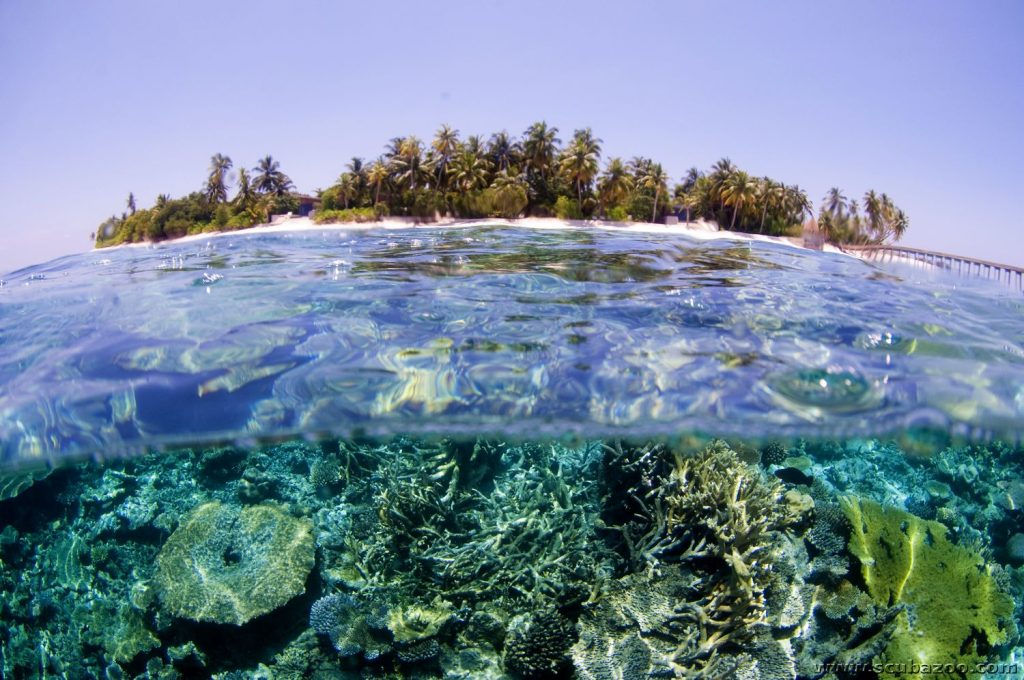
[963, 266]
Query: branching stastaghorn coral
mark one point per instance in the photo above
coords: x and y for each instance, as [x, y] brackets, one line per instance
[527, 539]
[531, 537]
[496, 522]
[712, 516]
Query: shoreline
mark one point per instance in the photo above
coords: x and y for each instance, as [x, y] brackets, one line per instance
[698, 229]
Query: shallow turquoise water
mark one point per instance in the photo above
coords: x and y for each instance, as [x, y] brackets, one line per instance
[510, 331]
[506, 453]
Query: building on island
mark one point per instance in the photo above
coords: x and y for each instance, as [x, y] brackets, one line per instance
[307, 204]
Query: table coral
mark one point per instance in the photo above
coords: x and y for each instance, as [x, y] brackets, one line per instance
[227, 564]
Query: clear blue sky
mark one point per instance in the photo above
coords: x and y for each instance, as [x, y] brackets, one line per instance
[923, 100]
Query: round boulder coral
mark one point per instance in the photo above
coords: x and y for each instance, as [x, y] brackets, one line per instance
[773, 453]
[227, 564]
[540, 649]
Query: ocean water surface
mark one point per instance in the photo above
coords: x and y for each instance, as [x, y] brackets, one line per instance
[500, 452]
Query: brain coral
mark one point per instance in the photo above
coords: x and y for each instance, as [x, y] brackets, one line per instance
[228, 564]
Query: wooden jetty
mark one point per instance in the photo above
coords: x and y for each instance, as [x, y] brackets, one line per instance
[956, 264]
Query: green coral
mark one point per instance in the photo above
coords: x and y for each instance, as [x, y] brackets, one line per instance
[953, 602]
[64, 561]
[123, 631]
[15, 482]
[227, 564]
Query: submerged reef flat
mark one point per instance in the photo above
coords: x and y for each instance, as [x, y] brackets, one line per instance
[460, 559]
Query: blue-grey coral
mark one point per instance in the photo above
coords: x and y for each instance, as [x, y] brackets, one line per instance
[337, 617]
[419, 652]
[491, 521]
[354, 625]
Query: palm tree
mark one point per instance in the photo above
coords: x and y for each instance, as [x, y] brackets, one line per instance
[269, 179]
[873, 209]
[838, 218]
[892, 221]
[699, 198]
[377, 175]
[854, 215]
[347, 187]
[579, 161]
[655, 178]
[690, 179]
[161, 201]
[216, 187]
[796, 204]
[245, 195]
[408, 164]
[772, 195]
[540, 147]
[723, 167]
[739, 191]
[263, 207]
[503, 152]
[509, 194]
[393, 148]
[615, 184]
[899, 224]
[720, 174]
[639, 166]
[686, 193]
[586, 139]
[357, 169]
[835, 202]
[469, 171]
[475, 144]
[444, 147]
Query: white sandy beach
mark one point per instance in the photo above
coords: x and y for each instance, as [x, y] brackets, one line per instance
[697, 229]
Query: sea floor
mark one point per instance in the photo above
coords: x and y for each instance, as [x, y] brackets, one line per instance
[488, 559]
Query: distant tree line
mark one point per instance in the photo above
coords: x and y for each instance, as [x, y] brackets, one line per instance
[842, 221]
[264, 192]
[504, 176]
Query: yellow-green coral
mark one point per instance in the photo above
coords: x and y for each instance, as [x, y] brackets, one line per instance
[951, 597]
[417, 623]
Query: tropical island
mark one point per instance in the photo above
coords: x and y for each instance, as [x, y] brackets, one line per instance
[502, 176]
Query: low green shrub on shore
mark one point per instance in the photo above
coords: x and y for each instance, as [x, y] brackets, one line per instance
[349, 215]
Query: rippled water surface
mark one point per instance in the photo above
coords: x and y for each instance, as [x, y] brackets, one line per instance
[493, 330]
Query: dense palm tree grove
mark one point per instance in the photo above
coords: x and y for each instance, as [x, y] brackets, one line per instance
[506, 176]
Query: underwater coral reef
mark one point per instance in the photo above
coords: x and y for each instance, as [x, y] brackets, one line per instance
[494, 559]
